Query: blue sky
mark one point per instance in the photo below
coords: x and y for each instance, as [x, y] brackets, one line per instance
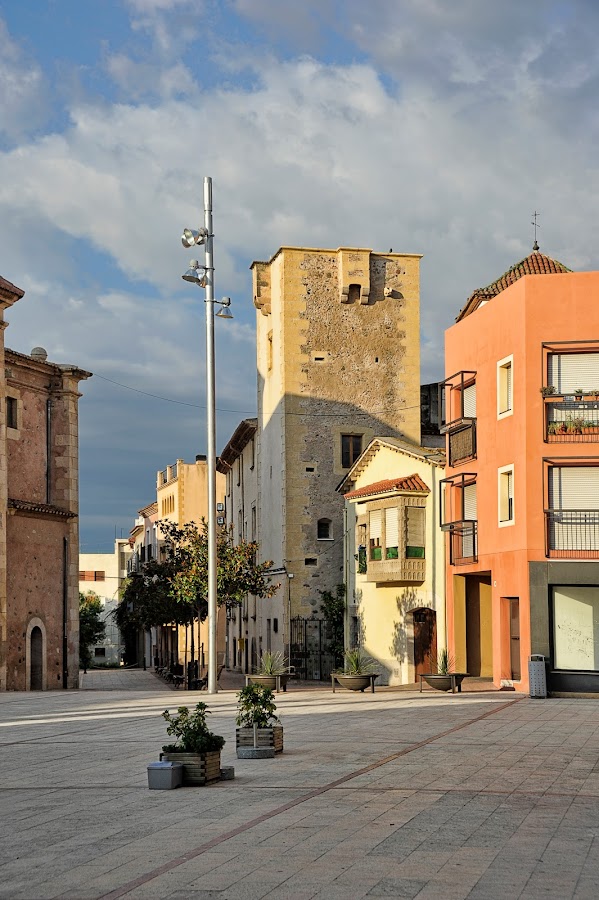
[429, 126]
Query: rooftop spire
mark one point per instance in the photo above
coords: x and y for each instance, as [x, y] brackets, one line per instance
[536, 225]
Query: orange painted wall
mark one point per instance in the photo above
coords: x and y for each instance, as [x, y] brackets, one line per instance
[536, 309]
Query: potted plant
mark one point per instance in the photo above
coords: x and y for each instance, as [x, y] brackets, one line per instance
[578, 392]
[196, 747]
[547, 390]
[359, 671]
[259, 733]
[273, 671]
[445, 678]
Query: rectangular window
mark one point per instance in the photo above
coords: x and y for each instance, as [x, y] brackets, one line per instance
[576, 628]
[11, 413]
[99, 652]
[504, 387]
[568, 371]
[269, 351]
[376, 534]
[415, 532]
[506, 495]
[391, 533]
[91, 576]
[351, 448]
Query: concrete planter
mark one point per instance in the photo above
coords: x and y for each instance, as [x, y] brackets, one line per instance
[354, 682]
[446, 682]
[198, 768]
[274, 682]
[263, 745]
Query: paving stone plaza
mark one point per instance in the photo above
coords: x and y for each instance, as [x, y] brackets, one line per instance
[393, 794]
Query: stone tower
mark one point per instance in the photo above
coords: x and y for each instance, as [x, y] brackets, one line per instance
[338, 359]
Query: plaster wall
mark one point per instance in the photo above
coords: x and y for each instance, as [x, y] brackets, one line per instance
[534, 310]
[384, 610]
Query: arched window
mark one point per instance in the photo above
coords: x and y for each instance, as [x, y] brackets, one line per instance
[324, 530]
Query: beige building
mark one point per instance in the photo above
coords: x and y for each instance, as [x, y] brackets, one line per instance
[182, 497]
[102, 574]
[338, 358]
[395, 558]
[244, 625]
[39, 504]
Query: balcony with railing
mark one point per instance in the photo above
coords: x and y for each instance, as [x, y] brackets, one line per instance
[458, 405]
[458, 517]
[572, 420]
[572, 533]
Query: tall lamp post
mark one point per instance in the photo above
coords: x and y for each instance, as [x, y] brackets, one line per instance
[203, 275]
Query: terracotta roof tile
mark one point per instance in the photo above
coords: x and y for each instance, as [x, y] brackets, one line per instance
[536, 263]
[408, 483]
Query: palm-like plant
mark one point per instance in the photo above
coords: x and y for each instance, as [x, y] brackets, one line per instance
[357, 662]
[272, 664]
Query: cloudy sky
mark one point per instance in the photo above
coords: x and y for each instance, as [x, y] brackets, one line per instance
[428, 126]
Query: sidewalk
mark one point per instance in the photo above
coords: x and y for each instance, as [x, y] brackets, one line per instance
[393, 794]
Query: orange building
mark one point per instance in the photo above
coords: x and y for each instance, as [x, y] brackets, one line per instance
[520, 500]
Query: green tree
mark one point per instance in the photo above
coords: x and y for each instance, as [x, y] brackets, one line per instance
[237, 573]
[333, 611]
[91, 627]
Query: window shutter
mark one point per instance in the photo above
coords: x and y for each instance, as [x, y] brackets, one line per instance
[415, 526]
[470, 402]
[470, 502]
[391, 527]
[508, 387]
[375, 524]
[568, 371]
[574, 487]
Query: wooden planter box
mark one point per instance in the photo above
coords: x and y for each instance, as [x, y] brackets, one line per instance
[266, 737]
[198, 768]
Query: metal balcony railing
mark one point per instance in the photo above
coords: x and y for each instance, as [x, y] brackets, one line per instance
[572, 533]
[568, 421]
[463, 542]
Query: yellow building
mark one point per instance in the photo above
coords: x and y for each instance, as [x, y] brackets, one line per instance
[338, 358]
[182, 497]
[395, 558]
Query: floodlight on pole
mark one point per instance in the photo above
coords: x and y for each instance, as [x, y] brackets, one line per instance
[203, 275]
[190, 238]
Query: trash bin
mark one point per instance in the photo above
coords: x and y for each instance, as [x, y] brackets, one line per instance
[537, 677]
[164, 776]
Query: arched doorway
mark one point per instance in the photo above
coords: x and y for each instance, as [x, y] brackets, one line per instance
[37, 659]
[425, 641]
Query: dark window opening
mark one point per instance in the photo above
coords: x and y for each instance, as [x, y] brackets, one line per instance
[353, 294]
[11, 412]
[323, 529]
[311, 561]
[351, 448]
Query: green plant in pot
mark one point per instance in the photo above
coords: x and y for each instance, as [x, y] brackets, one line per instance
[272, 672]
[445, 678]
[259, 733]
[359, 670]
[196, 747]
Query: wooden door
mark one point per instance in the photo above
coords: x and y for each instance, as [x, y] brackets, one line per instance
[425, 642]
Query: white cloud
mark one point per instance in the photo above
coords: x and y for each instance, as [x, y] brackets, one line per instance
[22, 93]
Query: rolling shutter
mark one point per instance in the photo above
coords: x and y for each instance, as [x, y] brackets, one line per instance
[391, 527]
[470, 401]
[469, 498]
[574, 487]
[375, 524]
[568, 371]
[508, 387]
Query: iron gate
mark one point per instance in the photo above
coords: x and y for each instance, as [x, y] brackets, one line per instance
[309, 652]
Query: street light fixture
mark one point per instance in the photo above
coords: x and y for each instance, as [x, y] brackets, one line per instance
[203, 275]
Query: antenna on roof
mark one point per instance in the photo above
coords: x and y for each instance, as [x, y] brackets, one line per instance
[536, 225]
